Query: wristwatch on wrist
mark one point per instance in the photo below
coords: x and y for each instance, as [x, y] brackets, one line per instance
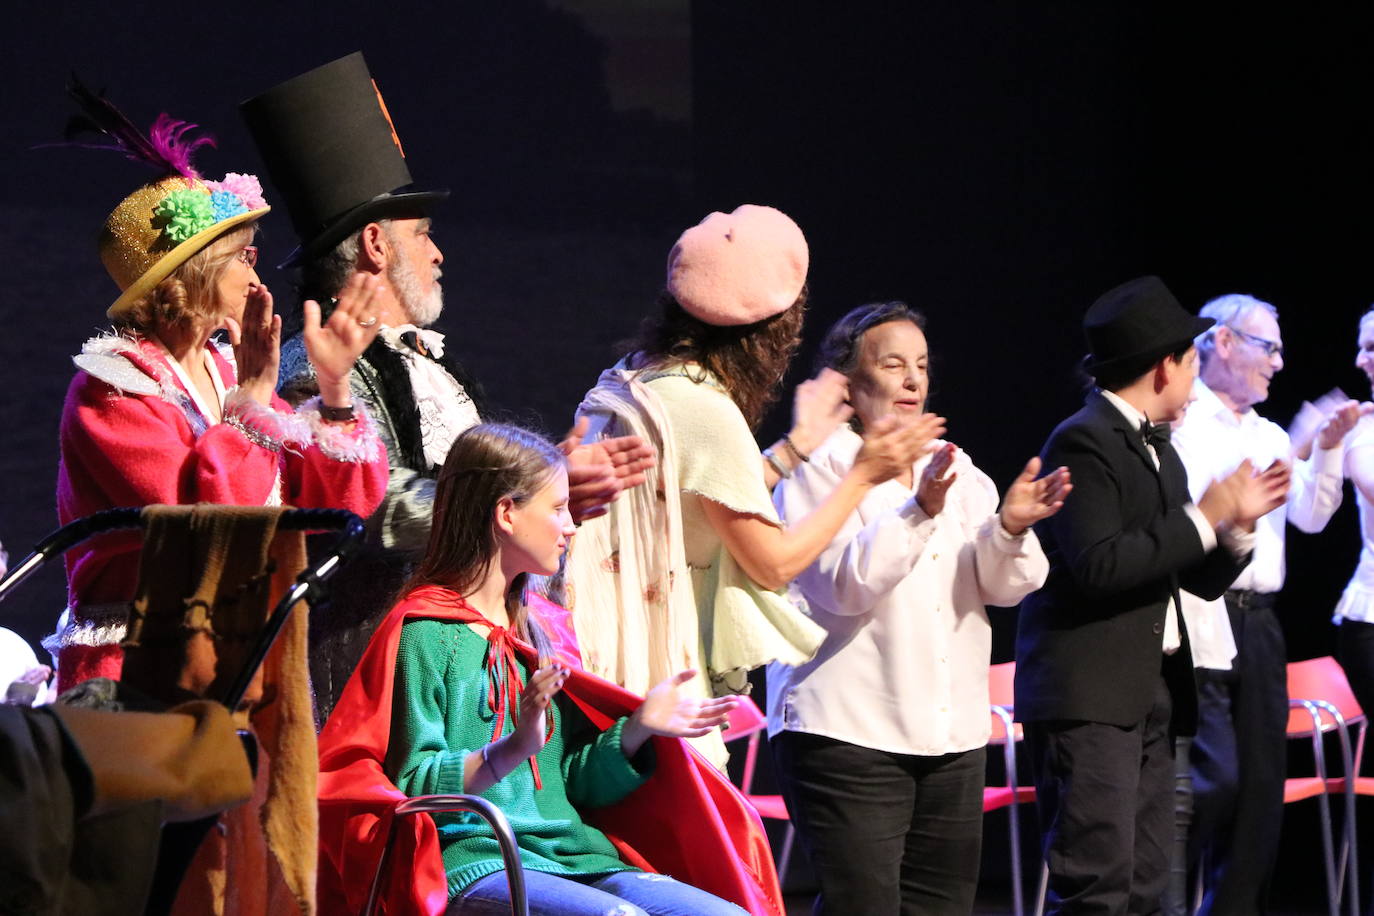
[337, 414]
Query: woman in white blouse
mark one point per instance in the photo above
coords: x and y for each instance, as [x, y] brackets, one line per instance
[879, 739]
[1355, 613]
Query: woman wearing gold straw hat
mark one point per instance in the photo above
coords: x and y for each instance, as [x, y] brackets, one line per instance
[160, 413]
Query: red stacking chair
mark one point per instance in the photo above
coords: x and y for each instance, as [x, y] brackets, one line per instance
[1312, 714]
[748, 721]
[1321, 701]
[1006, 732]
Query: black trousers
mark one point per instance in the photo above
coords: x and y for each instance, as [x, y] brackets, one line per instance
[885, 833]
[1355, 650]
[1105, 798]
[1239, 761]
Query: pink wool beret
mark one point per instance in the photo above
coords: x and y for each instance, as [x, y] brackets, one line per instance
[738, 268]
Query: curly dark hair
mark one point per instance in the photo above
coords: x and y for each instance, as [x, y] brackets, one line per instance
[748, 360]
[840, 348]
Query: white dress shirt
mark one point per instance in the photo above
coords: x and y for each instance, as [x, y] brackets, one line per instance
[901, 595]
[1357, 601]
[1212, 442]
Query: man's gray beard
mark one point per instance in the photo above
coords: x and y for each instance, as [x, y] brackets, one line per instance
[422, 309]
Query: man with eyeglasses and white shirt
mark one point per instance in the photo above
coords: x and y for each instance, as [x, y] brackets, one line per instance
[1237, 642]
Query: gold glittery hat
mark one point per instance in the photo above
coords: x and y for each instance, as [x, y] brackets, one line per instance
[163, 224]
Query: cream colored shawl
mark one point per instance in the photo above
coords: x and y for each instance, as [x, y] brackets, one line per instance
[634, 605]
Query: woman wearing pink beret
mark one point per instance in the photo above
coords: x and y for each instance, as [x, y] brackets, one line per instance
[689, 571]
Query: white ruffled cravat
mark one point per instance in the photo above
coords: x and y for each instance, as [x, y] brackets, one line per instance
[431, 340]
[445, 407]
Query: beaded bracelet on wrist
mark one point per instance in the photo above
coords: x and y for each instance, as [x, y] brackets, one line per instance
[792, 447]
[776, 464]
[253, 434]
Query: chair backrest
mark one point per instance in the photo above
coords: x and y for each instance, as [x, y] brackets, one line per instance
[747, 721]
[1320, 679]
[744, 720]
[1001, 692]
[1001, 680]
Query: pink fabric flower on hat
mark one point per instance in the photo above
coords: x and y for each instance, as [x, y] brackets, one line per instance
[738, 268]
[246, 188]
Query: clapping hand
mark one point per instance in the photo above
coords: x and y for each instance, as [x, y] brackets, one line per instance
[1258, 494]
[1029, 500]
[819, 407]
[1325, 422]
[529, 735]
[257, 345]
[1341, 420]
[334, 345]
[1242, 497]
[669, 712]
[936, 480]
[598, 471]
[892, 446]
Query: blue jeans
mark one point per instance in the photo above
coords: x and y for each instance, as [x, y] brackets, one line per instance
[625, 893]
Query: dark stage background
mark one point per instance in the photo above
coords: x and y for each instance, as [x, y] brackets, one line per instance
[997, 165]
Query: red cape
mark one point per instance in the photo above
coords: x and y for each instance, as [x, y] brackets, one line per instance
[687, 820]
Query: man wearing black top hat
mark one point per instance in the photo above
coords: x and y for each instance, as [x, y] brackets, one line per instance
[1104, 676]
[334, 156]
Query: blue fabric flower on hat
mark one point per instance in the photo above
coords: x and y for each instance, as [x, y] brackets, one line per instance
[226, 204]
[184, 213]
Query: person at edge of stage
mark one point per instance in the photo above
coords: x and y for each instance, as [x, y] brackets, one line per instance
[478, 707]
[1354, 614]
[1104, 675]
[358, 213]
[880, 739]
[689, 571]
[160, 413]
[1237, 642]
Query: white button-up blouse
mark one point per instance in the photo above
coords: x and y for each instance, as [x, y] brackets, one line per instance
[902, 596]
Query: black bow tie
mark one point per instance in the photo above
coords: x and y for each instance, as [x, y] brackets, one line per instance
[412, 339]
[1155, 434]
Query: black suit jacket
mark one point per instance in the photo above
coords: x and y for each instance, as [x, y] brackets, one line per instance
[1088, 644]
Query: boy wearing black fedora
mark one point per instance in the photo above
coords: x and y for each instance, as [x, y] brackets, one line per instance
[1104, 675]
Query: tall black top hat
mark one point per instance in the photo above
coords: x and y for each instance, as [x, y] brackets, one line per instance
[333, 154]
[1135, 325]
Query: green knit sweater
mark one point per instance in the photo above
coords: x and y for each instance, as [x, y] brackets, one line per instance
[440, 715]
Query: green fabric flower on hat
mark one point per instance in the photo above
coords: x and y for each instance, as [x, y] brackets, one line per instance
[185, 212]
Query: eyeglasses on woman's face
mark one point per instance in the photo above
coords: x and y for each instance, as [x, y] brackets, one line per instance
[248, 254]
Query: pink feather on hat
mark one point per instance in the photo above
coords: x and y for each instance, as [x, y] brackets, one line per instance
[738, 268]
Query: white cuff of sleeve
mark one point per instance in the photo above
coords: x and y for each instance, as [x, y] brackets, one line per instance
[1014, 545]
[1236, 541]
[1007, 535]
[1205, 532]
[1328, 461]
[920, 527]
[911, 511]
